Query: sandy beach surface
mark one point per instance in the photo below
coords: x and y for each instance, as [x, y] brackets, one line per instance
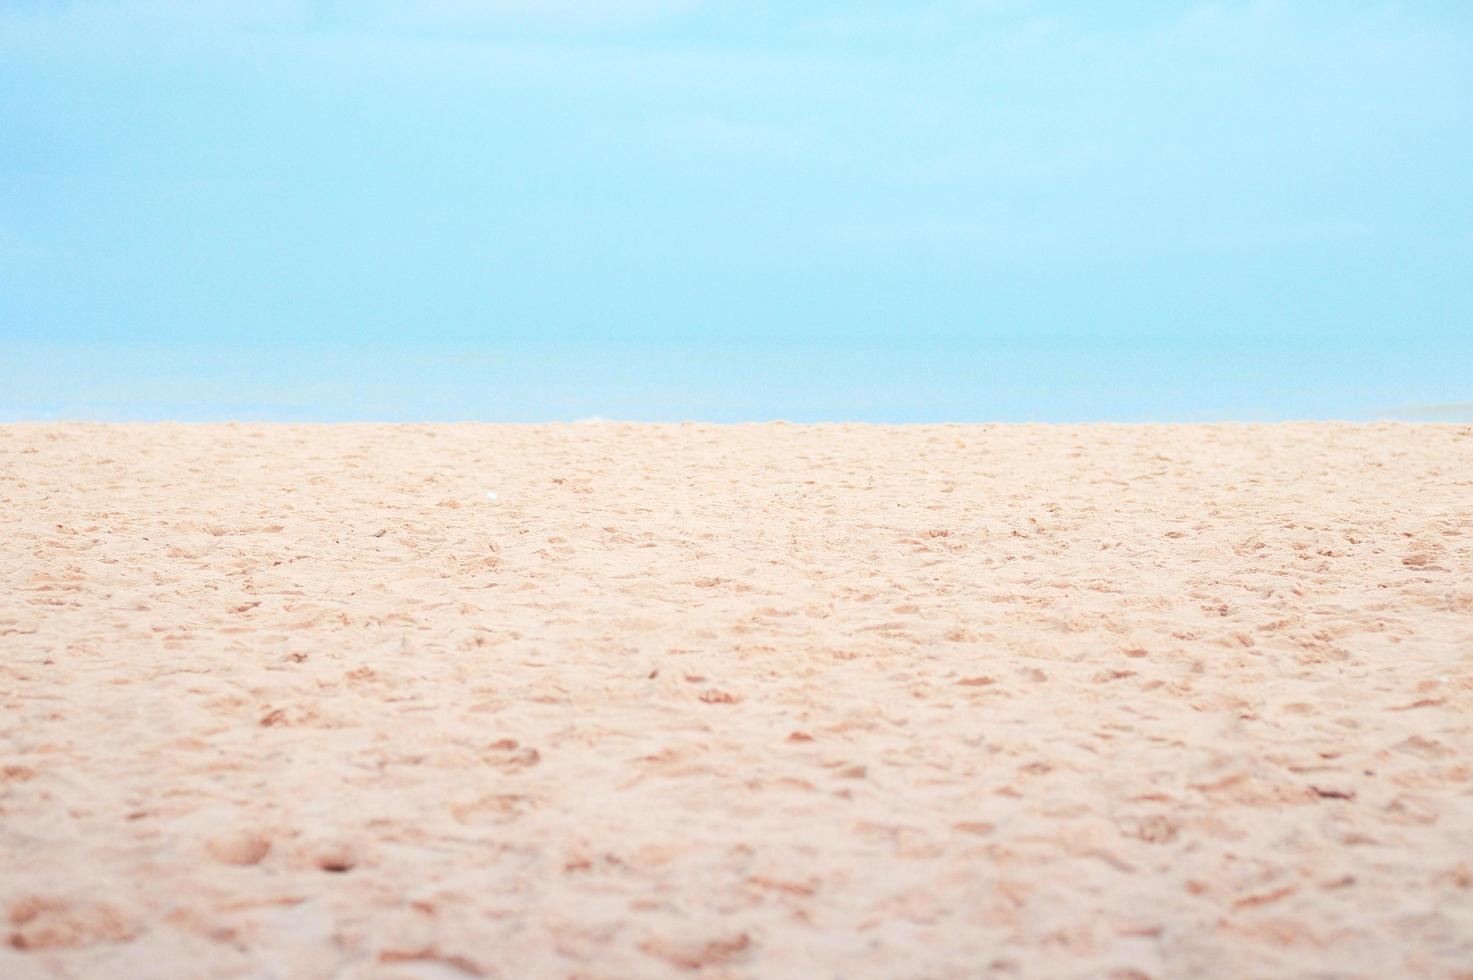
[750, 701]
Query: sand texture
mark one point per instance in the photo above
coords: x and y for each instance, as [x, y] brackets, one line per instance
[751, 701]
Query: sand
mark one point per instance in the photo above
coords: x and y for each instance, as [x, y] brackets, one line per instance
[752, 701]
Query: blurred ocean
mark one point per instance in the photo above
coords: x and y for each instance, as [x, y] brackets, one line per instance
[1063, 380]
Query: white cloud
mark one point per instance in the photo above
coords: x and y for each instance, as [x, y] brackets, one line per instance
[987, 236]
[562, 13]
[726, 136]
[470, 17]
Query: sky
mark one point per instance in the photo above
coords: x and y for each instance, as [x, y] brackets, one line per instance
[934, 210]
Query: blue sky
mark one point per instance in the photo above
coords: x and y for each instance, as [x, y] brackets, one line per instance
[858, 196]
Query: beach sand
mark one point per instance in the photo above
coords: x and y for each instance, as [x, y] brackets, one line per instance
[749, 701]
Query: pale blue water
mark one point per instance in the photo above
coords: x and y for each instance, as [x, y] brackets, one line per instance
[1049, 381]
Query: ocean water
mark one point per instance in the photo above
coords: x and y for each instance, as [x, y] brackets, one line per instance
[1053, 380]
